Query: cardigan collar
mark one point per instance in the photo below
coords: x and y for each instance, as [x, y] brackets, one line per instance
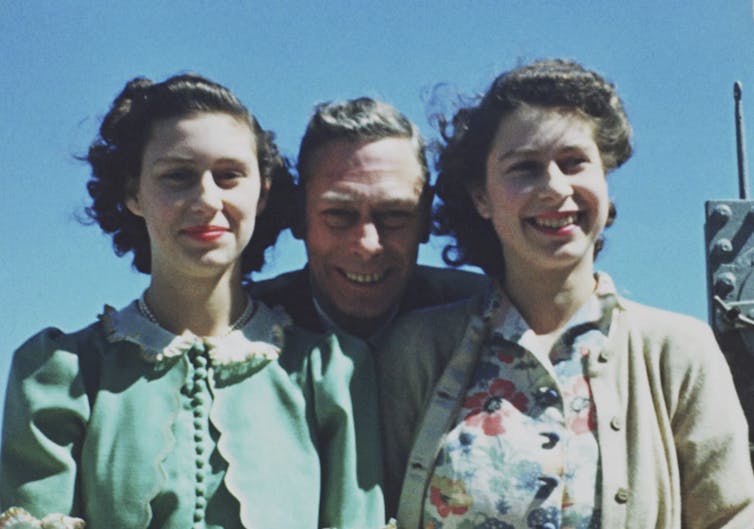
[241, 351]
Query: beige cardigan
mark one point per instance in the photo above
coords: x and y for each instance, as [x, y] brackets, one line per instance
[671, 432]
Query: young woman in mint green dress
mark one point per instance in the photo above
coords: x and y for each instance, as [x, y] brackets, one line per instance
[194, 406]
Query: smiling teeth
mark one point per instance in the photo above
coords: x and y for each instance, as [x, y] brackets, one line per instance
[556, 222]
[364, 278]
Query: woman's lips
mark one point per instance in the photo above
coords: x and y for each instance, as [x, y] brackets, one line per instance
[205, 233]
[556, 222]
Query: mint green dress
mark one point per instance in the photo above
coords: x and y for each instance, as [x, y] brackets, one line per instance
[128, 426]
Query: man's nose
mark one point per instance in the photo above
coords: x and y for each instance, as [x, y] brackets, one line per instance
[367, 240]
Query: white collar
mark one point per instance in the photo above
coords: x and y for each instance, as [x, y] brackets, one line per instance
[243, 350]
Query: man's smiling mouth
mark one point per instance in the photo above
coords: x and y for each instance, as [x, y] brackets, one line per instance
[365, 279]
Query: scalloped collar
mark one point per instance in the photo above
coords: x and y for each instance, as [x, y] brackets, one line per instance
[249, 348]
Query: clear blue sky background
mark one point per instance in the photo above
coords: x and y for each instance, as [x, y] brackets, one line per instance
[674, 63]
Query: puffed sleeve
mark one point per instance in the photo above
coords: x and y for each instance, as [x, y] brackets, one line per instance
[710, 432]
[44, 423]
[344, 386]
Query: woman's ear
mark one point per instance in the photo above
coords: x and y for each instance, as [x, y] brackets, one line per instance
[479, 198]
[132, 200]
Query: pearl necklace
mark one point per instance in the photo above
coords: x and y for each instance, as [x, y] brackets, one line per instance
[242, 320]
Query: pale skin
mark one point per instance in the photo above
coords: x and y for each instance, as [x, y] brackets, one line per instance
[199, 192]
[365, 219]
[546, 195]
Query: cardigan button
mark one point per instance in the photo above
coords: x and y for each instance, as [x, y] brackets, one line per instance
[198, 399]
[200, 360]
[616, 423]
[622, 495]
[200, 373]
[200, 503]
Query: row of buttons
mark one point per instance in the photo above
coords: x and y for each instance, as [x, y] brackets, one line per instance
[198, 403]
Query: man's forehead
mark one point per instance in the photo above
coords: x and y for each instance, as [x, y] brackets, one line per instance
[386, 169]
[374, 190]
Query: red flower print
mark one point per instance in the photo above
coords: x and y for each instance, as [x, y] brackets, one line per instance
[487, 408]
[448, 496]
[582, 414]
[507, 357]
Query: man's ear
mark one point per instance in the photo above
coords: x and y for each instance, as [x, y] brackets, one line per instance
[481, 203]
[428, 195]
[297, 212]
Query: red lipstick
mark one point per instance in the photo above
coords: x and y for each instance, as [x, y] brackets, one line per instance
[205, 233]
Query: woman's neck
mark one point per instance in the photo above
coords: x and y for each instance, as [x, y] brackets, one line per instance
[204, 306]
[548, 300]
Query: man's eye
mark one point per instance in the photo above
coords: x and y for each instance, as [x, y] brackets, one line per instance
[395, 219]
[340, 218]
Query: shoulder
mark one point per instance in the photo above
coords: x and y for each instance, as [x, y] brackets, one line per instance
[293, 292]
[52, 367]
[268, 290]
[438, 319]
[664, 327]
[434, 286]
[682, 348]
[429, 334]
[51, 341]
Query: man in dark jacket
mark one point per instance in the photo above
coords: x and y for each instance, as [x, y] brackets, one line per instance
[363, 207]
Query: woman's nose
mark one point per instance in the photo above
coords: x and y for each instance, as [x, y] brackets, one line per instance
[555, 182]
[209, 194]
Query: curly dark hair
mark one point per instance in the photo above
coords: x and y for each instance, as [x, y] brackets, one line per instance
[467, 137]
[115, 157]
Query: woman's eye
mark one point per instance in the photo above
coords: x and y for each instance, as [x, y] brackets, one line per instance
[572, 163]
[339, 218]
[524, 166]
[178, 176]
[228, 176]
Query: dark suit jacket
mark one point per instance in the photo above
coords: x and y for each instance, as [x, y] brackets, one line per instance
[429, 286]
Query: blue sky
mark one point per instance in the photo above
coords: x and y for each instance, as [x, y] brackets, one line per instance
[674, 63]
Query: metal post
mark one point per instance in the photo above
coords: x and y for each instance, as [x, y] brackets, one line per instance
[743, 178]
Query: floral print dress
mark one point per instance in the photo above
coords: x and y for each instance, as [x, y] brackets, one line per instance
[523, 450]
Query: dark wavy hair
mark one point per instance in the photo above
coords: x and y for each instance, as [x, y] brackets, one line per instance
[115, 158]
[467, 137]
